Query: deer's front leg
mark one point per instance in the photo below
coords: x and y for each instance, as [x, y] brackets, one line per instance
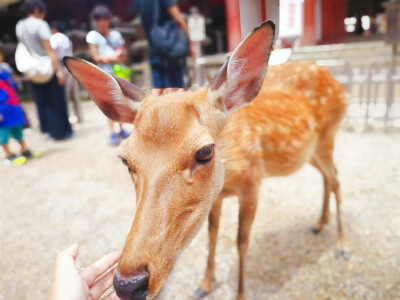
[213, 225]
[247, 210]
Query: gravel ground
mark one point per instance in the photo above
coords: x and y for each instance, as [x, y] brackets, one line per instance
[79, 192]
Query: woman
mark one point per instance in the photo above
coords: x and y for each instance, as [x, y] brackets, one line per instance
[106, 48]
[49, 97]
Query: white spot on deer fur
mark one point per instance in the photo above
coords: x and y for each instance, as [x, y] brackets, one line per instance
[297, 69]
[311, 124]
[305, 76]
[323, 100]
[296, 143]
[313, 68]
[329, 90]
[283, 129]
[308, 94]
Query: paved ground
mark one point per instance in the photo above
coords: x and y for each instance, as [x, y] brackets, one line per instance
[79, 192]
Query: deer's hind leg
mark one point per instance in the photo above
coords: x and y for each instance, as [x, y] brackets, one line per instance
[324, 219]
[323, 161]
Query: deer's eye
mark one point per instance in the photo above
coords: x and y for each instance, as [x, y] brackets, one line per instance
[205, 154]
[125, 162]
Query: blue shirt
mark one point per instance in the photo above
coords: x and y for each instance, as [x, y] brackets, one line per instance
[10, 109]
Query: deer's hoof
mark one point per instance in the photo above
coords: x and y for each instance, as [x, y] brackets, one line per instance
[199, 294]
[314, 230]
[342, 254]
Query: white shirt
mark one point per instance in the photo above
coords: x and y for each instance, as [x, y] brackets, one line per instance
[106, 45]
[31, 32]
[61, 44]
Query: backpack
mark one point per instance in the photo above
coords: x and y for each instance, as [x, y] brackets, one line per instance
[168, 40]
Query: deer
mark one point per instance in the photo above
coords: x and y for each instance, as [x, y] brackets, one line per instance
[189, 150]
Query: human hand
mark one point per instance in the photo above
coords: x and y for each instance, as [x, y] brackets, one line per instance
[105, 60]
[70, 284]
[192, 50]
[61, 78]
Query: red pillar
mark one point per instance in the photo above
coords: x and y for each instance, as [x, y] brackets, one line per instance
[309, 35]
[324, 21]
[333, 15]
[263, 10]
[233, 23]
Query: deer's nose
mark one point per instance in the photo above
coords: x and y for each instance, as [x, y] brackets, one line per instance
[132, 288]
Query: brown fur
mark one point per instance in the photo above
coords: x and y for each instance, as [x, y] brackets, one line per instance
[292, 121]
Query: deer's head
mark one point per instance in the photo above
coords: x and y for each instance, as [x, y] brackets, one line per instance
[172, 156]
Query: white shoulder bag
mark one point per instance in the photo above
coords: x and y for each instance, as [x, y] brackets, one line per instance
[38, 69]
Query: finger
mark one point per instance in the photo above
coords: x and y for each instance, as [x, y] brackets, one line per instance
[68, 255]
[100, 286]
[112, 296]
[73, 251]
[95, 270]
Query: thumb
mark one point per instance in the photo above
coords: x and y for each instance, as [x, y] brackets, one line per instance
[72, 250]
[68, 255]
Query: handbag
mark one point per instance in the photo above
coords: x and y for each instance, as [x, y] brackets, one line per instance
[168, 40]
[38, 69]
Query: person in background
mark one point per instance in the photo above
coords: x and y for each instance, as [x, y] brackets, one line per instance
[166, 72]
[12, 120]
[62, 45]
[3, 64]
[106, 48]
[8, 68]
[49, 97]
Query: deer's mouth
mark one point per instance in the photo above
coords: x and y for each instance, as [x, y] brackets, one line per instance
[139, 287]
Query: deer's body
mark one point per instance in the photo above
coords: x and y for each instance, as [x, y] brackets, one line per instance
[280, 130]
[185, 155]
[292, 121]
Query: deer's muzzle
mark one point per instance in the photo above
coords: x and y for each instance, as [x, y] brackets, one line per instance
[133, 288]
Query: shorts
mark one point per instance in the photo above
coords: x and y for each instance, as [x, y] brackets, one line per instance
[5, 133]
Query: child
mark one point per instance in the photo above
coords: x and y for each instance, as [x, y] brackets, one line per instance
[107, 47]
[12, 119]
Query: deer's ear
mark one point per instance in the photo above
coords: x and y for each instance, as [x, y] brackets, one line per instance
[239, 80]
[118, 99]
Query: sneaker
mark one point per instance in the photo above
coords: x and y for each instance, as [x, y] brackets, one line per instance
[29, 154]
[67, 136]
[113, 140]
[14, 160]
[123, 134]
